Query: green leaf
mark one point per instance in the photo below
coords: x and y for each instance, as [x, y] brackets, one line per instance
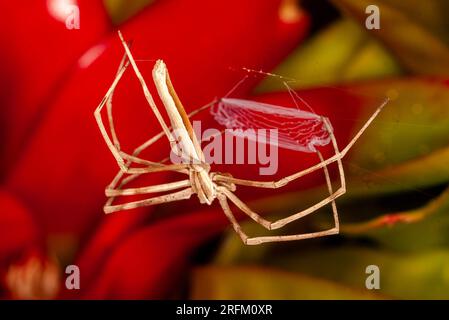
[408, 145]
[418, 229]
[215, 282]
[422, 275]
[412, 275]
[342, 52]
[121, 10]
[416, 33]
[414, 123]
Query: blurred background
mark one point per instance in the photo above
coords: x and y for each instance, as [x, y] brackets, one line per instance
[58, 58]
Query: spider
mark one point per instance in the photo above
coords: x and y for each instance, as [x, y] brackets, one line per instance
[200, 180]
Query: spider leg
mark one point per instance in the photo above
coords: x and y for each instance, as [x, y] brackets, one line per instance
[114, 144]
[259, 240]
[281, 182]
[264, 239]
[159, 168]
[123, 64]
[282, 222]
[332, 195]
[146, 91]
[329, 189]
[242, 206]
[156, 137]
[115, 188]
[284, 181]
[134, 157]
[175, 196]
[303, 236]
[111, 145]
[330, 199]
[149, 189]
[227, 211]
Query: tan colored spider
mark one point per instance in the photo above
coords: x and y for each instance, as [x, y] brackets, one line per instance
[200, 180]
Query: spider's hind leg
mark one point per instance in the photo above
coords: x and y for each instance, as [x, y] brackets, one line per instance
[227, 211]
[282, 222]
[264, 239]
[225, 193]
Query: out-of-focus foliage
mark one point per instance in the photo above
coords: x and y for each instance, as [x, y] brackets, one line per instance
[418, 229]
[120, 10]
[225, 282]
[396, 212]
[401, 144]
[417, 33]
[357, 57]
[405, 275]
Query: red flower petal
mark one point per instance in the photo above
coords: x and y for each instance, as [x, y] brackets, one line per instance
[18, 231]
[67, 165]
[150, 262]
[37, 56]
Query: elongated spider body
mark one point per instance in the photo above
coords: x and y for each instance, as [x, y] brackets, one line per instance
[199, 179]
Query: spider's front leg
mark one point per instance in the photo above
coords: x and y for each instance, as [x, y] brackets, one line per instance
[115, 189]
[170, 197]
